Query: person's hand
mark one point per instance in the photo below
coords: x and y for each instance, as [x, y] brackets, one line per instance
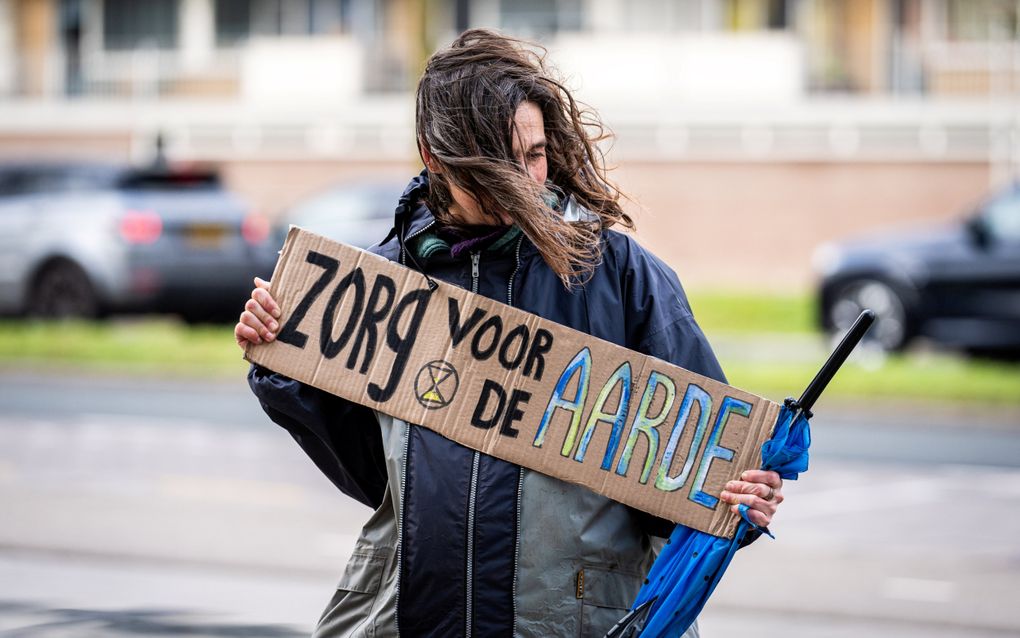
[761, 491]
[258, 321]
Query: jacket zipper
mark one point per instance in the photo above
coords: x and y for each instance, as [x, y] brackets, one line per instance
[470, 589]
[472, 498]
[520, 475]
[473, 494]
[517, 266]
[403, 249]
[475, 258]
[400, 529]
[403, 476]
[517, 548]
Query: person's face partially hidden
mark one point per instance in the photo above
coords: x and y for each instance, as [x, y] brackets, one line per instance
[529, 140]
[529, 146]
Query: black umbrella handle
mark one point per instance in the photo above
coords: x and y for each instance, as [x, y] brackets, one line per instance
[836, 359]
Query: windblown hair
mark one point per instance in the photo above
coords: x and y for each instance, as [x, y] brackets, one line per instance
[466, 102]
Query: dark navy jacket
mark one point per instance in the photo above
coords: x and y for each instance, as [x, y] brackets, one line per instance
[482, 547]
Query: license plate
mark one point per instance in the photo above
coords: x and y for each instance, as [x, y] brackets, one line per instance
[205, 235]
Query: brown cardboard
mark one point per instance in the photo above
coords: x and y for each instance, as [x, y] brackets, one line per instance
[369, 330]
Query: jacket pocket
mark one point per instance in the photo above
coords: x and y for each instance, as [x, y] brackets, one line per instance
[605, 596]
[363, 573]
[350, 611]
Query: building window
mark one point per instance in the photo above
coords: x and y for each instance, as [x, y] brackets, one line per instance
[129, 24]
[233, 21]
[237, 20]
[755, 15]
[983, 20]
[329, 16]
[537, 18]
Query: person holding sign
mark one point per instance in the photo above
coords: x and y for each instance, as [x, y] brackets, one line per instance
[513, 204]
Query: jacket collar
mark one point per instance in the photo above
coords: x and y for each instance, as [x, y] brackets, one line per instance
[412, 215]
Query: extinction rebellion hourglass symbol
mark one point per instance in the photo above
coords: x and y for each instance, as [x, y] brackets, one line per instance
[436, 384]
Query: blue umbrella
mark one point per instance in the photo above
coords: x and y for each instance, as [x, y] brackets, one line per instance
[692, 563]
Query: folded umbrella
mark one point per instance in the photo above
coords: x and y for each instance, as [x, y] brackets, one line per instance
[692, 563]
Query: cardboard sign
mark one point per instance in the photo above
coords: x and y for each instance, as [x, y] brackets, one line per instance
[511, 384]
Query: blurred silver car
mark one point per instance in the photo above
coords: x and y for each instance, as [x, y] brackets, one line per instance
[85, 240]
[359, 214]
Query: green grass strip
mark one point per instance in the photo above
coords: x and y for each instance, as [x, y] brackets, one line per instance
[143, 346]
[734, 312]
[155, 347]
[917, 377]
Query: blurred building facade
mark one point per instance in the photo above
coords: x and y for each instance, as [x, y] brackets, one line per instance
[895, 109]
[188, 48]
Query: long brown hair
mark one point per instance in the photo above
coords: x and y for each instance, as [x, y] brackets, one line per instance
[466, 101]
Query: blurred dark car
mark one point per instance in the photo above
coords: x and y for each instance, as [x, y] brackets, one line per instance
[359, 214]
[958, 286]
[85, 240]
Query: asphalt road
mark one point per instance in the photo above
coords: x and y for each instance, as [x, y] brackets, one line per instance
[142, 507]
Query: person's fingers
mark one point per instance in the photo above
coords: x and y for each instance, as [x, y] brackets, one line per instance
[762, 476]
[265, 325]
[763, 490]
[245, 334]
[264, 299]
[758, 518]
[755, 504]
[751, 499]
[262, 283]
[253, 321]
[754, 496]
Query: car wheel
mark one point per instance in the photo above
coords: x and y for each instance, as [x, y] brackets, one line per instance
[890, 330]
[63, 291]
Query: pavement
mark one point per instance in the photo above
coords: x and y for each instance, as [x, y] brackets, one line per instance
[157, 507]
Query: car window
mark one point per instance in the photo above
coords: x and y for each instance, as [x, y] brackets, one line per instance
[169, 180]
[344, 206]
[46, 180]
[358, 215]
[8, 184]
[21, 182]
[31, 182]
[1003, 216]
[67, 182]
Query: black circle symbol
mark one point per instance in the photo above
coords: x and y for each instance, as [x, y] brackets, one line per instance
[436, 384]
